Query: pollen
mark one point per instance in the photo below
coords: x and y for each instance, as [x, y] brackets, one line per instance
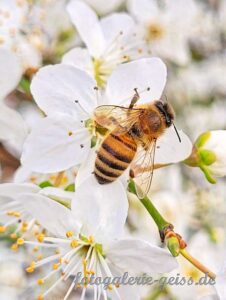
[16, 214]
[40, 281]
[35, 249]
[20, 241]
[40, 237]
[40, 297]
[30, 270]
[14, 247]
[13, 236]
[110, 287]
[74, 243]
[56, 266]
[40, 256]
[69, 234]
[91, 239]
[2, 229]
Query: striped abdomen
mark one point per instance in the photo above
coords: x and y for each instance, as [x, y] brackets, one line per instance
[114, 156]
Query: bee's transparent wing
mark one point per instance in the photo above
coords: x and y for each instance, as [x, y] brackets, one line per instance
[116, 118]
[143, 168]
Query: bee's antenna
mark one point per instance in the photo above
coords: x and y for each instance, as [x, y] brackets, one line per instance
[177, 133]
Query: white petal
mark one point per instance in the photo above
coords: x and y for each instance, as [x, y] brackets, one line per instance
[22, 174]
[104, 7]
[53, 192]
[87, 24]
[56, 218]
[170, 150]
[80, 58]
[56, 144]
[221, 286]
[14, 190]
[86, 168]
[55, 89]
[10, 72]
[102, 209]
[137, 256]
[114, 24]
[141, 74]
[13, 130]
[143, 10]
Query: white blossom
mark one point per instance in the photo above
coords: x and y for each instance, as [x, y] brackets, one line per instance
[110, 41]
[68, 96]
[89, 239]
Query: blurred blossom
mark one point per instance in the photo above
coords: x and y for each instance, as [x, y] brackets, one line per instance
[110, 41]
[165, 26]
[90, 241]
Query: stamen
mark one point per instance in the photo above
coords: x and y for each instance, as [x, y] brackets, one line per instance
[40, 281]
[91, 239]
[14, 247]
[69, 234]
[20, 241]
[74, 243]
[2, 229]
[40, 237]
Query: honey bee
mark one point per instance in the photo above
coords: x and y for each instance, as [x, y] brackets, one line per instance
[131, 138]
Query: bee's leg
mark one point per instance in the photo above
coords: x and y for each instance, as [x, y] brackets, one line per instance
[135, 98]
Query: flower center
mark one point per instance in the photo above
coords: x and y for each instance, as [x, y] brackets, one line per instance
[72, 254]
[154, 32]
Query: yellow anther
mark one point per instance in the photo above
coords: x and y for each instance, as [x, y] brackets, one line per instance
[13, 236]
[91, 239]
[70, 133]
[32, 265]
[14, 247]
[10, 213]
[30, 270]
[40, 297]
[57, 251]
[74, 243]
[117, 285]
[60, 260]
[110, 287]
[16, 214]
[20, 241]
[69, 234]
[78, 286]
[66, 262]
[40, 256]
[24, 224]
[62, 274]
[56, 266]
[91, 272]
[40, 237]
[40, 281]
[2, 229]
[35, 249]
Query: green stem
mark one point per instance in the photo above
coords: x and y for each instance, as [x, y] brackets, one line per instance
[152, 210]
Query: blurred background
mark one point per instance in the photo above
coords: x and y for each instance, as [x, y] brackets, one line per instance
[192, 42]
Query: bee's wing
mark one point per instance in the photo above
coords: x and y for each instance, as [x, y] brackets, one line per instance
[143, 168]
[116, 118]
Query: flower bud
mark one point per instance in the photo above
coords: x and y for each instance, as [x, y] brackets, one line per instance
[209, 154]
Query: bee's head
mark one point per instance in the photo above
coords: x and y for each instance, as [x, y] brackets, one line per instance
[166, 111]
